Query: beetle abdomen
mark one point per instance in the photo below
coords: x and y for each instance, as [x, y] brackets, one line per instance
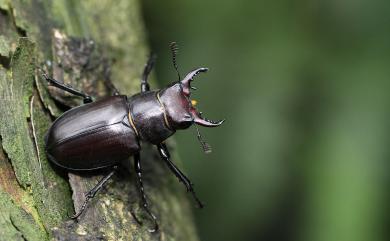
[92, 136]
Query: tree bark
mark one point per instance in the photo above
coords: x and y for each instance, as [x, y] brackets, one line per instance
[36, 198]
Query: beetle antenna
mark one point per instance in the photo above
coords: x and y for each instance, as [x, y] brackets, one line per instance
[205, 146]
[174, 49]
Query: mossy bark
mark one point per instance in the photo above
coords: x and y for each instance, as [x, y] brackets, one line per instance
[36, 198]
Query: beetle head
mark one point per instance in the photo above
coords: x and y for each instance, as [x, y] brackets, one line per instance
[180, 108]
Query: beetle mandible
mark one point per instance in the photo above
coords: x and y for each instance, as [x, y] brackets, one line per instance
[103, 133]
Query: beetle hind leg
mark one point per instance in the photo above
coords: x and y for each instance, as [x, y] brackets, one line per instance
[92, 193]
[145, 205]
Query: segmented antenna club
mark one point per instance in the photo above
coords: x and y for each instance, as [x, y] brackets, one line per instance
[174, 49]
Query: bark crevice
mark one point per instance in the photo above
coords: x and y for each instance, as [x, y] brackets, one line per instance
[17, 229]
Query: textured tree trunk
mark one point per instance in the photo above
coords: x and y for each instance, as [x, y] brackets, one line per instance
[83, 43]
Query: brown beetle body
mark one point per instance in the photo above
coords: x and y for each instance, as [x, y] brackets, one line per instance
[106, 132]
[92, 136]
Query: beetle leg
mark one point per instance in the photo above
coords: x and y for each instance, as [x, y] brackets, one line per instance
[164, 153]
[107, 80]
[138, 170]
[91, 194]
[111, 87]
[148, 68]
[68, 88]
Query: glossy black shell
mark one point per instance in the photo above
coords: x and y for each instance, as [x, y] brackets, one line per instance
[92, 136]
[148, 117]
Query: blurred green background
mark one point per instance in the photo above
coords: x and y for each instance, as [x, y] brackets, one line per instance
[304, 153]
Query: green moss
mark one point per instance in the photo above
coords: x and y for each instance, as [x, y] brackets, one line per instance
[50, 192]
[17, 224]
[4, 4]
[5, 47]
[59, 205]
[22, 70]
[15, 89]
[119, 28]
[65, 14]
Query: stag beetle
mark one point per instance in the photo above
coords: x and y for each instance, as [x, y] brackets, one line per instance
[103, 133]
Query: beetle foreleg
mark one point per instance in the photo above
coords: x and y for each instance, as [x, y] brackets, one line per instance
[164, 153]
[148, 68]
[91, 194]
[138, 171]
[68, 88]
